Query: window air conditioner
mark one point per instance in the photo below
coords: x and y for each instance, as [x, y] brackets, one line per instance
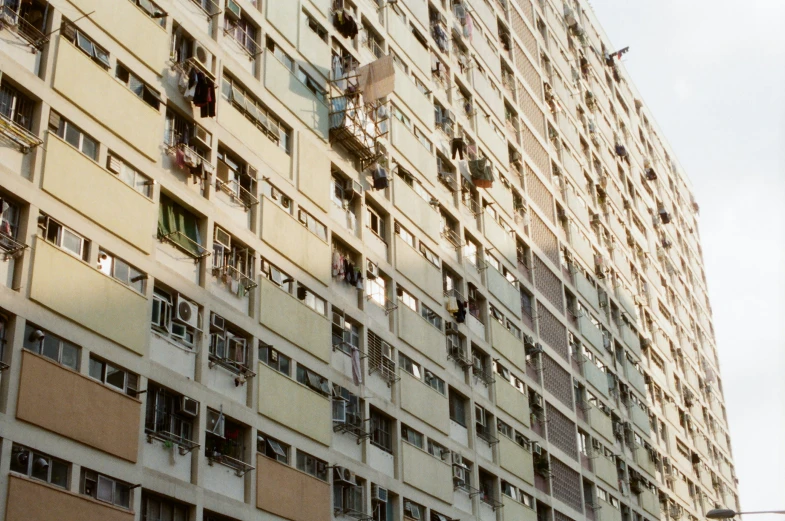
[344, 475]
[354, 186]
[536, 448]
[202, 137]
[203, 56]
[451, 327]
[373, 270]
[233, 8]
[378, 493]
[459, 474]
[457, 459]
[189, 406]
[186, 312]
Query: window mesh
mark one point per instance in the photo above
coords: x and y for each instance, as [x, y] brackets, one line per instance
[524, 33]
[553, 332]
[531, 110]
[557, 380]
[535, 151]
[529, 72]
[548, 283]
[566, 484]
[539, 193]
[561, 432]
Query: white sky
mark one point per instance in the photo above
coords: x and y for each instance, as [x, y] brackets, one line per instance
[713, 75]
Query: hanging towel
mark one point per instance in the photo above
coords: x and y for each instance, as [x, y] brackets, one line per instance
[452, 304]
[359, 277]
[336, 263]
[357, 373]
[377, 79]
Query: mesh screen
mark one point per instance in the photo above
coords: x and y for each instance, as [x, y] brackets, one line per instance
[557, 381]
[553, 332]
[561, 432]
[548, 283]
[566, 484]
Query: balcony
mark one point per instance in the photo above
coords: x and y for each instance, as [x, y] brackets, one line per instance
[591, 333]
[294, 321]
[117, 108]
[30, 499]
[495, 142]
[508, 345]
[286, 492]
[421, 335]
[640, 417]
[650, 502]
[501, 239]
[415, 208]
[516, 459]
[293, 405]
[504, 290]
[605, 469]
[515, 511]
[84, 185]
[587, 290]
[418, 269]
[410, 148]
[427, 473]
[53, 398]
[424, 402]
[11, 131]
[412, 97]
[104, 304]
[293, 240]
[295, 96]
[601, 422]
[130, 27]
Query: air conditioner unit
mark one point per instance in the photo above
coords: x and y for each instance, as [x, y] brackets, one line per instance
[535, 400]
[459, 474]
[203, 56]
[186, 312]
[114, 165]
[373, 270]
[354, 186]
[189, 407]
[536, 448]
[477, 364]
[217, 322]
[202, 137]
[378, 493]
[344, 475]
[233, 8]
[386, 350]
[451, 327]
[457, 459]
[528, 339]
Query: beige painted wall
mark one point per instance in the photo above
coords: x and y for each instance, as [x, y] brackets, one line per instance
[512, 401]
[418, 269]
[424, 402]
[30, 500]
[74, 289]
[509, 346]
[289, 493]
[313, 172]
[117, 108]
[414, 330]
[293, 405]
[416, 208]
[293, 240]
[283, 16]
[295, 321]
[429, 474]
[97, 193]
[516, 459]
[514, 511]
[78, 407]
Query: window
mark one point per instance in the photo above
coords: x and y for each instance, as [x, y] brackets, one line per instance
[121, 271]
[438, 450]
[9, 223]
[158, 508]
[272, 448]
[314, 226]
[129, 175]
[73, 135]
[243, 31]
[312, 380]
[152, 10]
[51, 346]
[179, 227]
[314, 26]
[428, 254]
[77, 37]
[138, 87]
[312, 85]
[170, 322]
[435, 382]
[404, 234]
[268, 123]
[117, 377]
[381, 430]
[407, 299]
[346, 332]
[424, 141]
[412, 510]
[281, 279]
[408, 365]
[225, 438]
[505, 429]
[312, 300]
[400, 63]
[273, 358]
[104, 488]
[236, 178]
[63, 237]
[228, 345]
[457, 408]
[375, 222]
[233, 262]
[37, 465]
[170, 415]
[376, 290]
[430, 316]
[181, 131]
[311, 465]
[280, 54]
[412, 436]
[15, 106]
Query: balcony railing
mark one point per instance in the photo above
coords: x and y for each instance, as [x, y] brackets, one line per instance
[240, 468]
[18, 135]
[233, 274]
[163, 427]
[484, 433]
[182, 242]
[10, 18]
[237, 192]
[10, 247]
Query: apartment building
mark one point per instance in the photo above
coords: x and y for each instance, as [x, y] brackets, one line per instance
[374, 260]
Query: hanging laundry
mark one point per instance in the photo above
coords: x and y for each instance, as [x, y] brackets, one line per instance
[359, 280]
[380, 181]
[336, 263]
[357, 373]
[458, 147]
[377, 79]
[468, 26]
[452, 304]
[481, 172]
[620, 150]
[460, 315]
[345, 24]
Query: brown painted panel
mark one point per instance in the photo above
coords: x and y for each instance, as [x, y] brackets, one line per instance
[289, 493]
[29, 499]
[77, 407]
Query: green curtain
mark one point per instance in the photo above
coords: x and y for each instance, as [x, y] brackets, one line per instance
[174, 218]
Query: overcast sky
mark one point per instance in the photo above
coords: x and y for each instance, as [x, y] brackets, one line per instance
[713, 75]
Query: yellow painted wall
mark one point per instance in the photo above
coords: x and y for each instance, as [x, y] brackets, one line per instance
[412, 150]
[507, 345]
[294, 95]
[424, 402]
[416, 208]
[285, 401]
[516, 459]
[512, 401]
[295, 321]
[427, 473]
[131, 28]
[501, 240]
[514, 511]
[313, 172]
[81, 293]
[602, 424]
[283, 16]
[422, 336]
[418, 269]
[117, 108]
[285, 233]
[97, 193]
